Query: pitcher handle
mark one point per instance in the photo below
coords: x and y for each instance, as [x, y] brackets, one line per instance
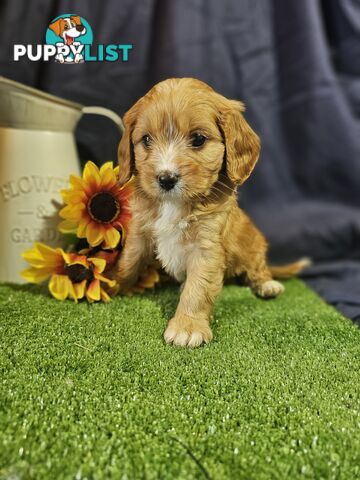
[106, 113]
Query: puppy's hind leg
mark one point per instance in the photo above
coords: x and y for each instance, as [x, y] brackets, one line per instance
[261, 282]
[269, 289]
[266, 287]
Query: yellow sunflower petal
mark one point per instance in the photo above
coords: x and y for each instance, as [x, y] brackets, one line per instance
[111, 236]
[67, 257]
[73, 259]
[81, 230]
[34, 257]
[73, 196]
[94, 234]
[99, 263]
[106, 166]
[79, 288]
[59, 286]
[47, 251]
[36, 275]
[128, 185]
[72, 293]
[104, 296]
[93, 291]
[76, 182]
[67, 226]
[84, 251]
[108, 177]
[109, 255]
[72, 212]
[91, 174]
[111, 283]
[42, 255]
[150, 278]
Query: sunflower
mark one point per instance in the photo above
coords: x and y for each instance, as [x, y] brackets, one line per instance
[111, 256]
[97, 207]
[148, 278]
[71, 275]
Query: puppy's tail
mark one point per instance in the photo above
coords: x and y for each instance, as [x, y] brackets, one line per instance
[289, 270]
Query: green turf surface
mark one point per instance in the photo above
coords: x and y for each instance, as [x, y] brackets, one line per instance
[91, 391]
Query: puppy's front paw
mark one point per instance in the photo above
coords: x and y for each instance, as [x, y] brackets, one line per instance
[185, 331]
[270, 289]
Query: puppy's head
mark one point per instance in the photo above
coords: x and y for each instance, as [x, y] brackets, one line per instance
[178, 137]
[68, 28]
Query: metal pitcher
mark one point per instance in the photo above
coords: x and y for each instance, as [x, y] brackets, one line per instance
[37, 155]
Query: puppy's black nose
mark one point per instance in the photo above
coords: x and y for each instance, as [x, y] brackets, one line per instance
[167, 180]
[79, 28]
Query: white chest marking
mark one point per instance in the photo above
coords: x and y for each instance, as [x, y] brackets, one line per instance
[171, 249]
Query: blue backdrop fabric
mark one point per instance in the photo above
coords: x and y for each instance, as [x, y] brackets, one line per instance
[296, 66]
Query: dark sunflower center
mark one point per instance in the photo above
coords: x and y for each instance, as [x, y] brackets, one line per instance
[78, 273]
[103, 207]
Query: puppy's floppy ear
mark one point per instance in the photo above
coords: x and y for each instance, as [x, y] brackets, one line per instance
[76, 19]
[126, 156]
[56, 26]
[242, 145]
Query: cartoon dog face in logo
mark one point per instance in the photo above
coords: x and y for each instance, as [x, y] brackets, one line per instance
[68, 28]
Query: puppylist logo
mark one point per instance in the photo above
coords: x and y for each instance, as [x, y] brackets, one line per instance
[69, 40]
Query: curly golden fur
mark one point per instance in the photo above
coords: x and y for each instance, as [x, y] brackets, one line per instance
[195, 228]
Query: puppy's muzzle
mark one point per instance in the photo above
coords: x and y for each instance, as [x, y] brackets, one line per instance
[167, 180]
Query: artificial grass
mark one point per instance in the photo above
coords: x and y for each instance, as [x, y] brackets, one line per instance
[92, 391]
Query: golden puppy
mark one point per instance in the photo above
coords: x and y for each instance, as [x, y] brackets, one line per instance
[189, 148]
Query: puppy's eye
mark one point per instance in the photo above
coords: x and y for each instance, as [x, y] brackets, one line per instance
[66, 27]
[197, 140]
[146, 140]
